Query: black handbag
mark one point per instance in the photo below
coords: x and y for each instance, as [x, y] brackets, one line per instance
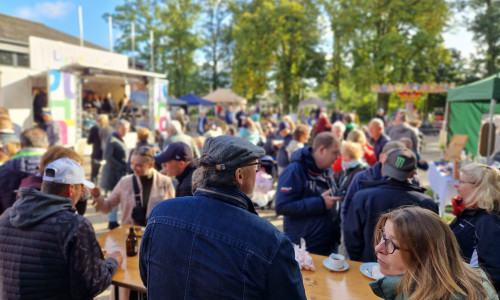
[139, 212]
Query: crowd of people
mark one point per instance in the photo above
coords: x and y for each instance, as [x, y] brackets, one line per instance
[342, 187]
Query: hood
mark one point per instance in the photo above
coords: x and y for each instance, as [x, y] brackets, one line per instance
[305, 155]
[33, 206]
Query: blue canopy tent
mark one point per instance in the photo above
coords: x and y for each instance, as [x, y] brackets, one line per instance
[195, 100]
[175, 102]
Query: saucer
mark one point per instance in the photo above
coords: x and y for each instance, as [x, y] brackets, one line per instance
[329, 266]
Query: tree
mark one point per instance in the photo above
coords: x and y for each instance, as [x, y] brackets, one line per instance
[486, 28]
[172, 22]
[217, 39]
[276, 40]
[386, 41]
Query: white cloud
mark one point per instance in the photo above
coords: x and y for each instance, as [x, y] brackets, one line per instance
[50, 10]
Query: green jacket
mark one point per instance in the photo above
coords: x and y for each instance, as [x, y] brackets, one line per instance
[385, 288]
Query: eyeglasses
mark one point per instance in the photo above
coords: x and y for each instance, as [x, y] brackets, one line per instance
[462, 182]
[144, 151]
[257, 165]
[390, 247]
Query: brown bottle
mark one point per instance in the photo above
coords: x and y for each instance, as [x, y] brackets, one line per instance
[131, 243]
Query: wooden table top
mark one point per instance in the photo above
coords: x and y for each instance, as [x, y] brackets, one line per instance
[127, 274]
[347, 285]
[322, 284]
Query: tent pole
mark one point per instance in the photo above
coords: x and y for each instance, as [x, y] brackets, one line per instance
[490, 128]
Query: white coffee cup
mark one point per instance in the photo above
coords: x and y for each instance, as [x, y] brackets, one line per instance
[337, 261]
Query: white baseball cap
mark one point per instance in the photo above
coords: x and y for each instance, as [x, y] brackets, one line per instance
[66, 171]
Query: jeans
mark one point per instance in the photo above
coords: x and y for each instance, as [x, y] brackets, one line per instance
[113, 216]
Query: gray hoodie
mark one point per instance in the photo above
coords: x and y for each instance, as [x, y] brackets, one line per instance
[49, 252]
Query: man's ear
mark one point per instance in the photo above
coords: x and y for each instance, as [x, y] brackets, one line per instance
[238, 174]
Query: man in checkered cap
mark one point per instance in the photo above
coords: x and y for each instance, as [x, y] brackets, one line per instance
[393, 190]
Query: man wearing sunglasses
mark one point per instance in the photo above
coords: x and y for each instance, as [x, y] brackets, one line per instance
[213, 245]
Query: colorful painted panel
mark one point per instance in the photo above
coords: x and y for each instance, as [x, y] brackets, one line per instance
[160, 103]
[62, 101]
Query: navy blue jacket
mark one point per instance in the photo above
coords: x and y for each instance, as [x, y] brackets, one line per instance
[24, 163]
[366, 208]
[213, 245]
[379, 144]
[299, 199]
[477, 229]
[282, 158]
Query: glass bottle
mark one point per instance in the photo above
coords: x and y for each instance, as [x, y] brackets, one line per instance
[131, 244]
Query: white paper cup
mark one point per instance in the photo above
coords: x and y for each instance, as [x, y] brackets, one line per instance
[336, 260]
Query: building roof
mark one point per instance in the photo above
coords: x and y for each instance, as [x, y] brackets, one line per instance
[19, 30]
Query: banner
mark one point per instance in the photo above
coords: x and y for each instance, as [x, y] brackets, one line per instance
[427, 88]
[62, 102]
[48, 54]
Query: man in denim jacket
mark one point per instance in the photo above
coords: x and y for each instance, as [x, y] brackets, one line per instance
[213, 245]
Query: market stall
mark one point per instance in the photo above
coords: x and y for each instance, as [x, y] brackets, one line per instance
[470, 106]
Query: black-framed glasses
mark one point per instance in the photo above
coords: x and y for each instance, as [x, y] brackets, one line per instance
[257, 165]
[390, 247]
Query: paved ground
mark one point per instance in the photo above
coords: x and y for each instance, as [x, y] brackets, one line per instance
[430, 152]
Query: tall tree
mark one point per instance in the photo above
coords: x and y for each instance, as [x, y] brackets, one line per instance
[172, 22]
[486, 28]
[395, 41]
[216, 35]
[276, 40]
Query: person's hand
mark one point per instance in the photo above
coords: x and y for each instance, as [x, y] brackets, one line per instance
[329, 199]
[117, 255]
[95, 192]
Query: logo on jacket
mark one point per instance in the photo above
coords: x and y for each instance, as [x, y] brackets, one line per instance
[285, 189]
[399, 162]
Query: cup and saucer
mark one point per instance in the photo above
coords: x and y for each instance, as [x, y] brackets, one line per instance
[336, 262]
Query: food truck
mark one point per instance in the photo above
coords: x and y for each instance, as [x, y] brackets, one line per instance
[66, 72]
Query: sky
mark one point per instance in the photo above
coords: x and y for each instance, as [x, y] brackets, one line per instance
[63, 16]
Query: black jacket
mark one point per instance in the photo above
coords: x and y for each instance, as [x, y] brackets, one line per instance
[49, 252]
[366, 208]
[185, 185]
[475, 229]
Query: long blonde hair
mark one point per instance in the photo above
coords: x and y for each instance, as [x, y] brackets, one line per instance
[487, 181]
[431, 255]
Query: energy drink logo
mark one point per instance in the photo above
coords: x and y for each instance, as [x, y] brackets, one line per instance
[399, 162]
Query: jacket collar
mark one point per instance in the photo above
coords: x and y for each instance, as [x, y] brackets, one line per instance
[385, 287]
[188, 169]
[387, 181]
[231, 196]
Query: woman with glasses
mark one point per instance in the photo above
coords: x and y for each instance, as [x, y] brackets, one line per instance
[152, 187]
[423, 261]
[477, 225]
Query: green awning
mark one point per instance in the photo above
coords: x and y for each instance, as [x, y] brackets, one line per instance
[482, 90]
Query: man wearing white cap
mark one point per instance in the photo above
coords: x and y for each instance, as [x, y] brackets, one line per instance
[48, 251]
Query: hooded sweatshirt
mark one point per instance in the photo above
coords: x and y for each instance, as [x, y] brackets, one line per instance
[49, 252]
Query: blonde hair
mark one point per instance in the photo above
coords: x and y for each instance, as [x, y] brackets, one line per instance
[142, 134]
[431, 256]
[486, 195]
[357, 136]
[352, 149]
[290, 121]
[103, 120]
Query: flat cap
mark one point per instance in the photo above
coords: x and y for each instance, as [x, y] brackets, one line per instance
[228, 152]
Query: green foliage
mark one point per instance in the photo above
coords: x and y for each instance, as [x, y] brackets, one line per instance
[172, 22]
[276, 41]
